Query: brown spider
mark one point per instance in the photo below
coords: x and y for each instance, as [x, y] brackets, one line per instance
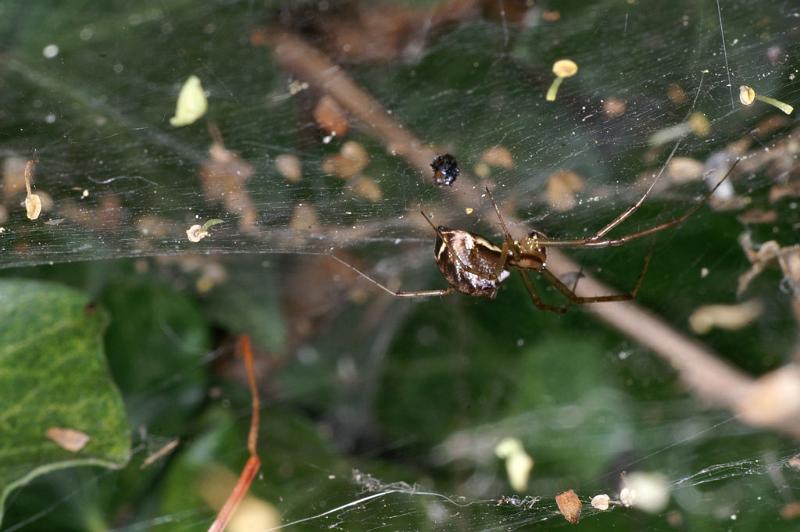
[474, 266]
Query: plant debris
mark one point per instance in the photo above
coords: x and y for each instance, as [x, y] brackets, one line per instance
[498, 156]
[289, 167]
[33, 203]
[728, 317]
[601, 502]
[198, 232]
[518, 463]
[192, 103]
[570, 506]
[563, 68]
[747, 95]
[330, 117]
[68, 439]
[350, 161]
[561, 188]
[224, 176]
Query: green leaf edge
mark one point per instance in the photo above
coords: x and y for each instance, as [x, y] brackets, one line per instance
[79, 462]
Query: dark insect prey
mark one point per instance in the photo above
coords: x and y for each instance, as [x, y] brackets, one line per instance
[445, 170]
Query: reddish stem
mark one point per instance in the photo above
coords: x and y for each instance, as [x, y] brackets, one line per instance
[254, 462]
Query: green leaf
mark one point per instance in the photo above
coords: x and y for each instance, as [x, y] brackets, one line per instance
[53, 373]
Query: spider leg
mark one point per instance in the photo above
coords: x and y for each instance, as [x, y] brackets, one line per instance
[621, 217]
[401, 293]
[582, 300]
[577, 279]
[508, 242]
[506, 233]
[595, 242]
[534, 295]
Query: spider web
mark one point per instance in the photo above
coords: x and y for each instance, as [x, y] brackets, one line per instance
[124, 183]
[89, 91]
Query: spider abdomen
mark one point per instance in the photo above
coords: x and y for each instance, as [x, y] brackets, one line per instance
[469, 262]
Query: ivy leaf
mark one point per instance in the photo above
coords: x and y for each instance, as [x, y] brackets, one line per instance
[53, 375]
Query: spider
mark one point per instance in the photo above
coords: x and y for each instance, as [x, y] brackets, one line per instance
[474, 266]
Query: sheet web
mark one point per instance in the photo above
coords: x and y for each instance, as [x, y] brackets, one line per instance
[121, 182]
[89, 91]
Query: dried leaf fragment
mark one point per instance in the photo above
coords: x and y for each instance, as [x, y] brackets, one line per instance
[289, 166]
[367, 188]
[482, 170]
[498, 156]
[192, 103]
[224, 177]
[676, 94]
[601, 502]
[68, 439]
[770, 125]
[351, 160]
[33, 206]
[13, 177]
[699, 124]
[789, 259]
[304, 218]
[778, 192]
[759, 257]
[791, 510]
[728, 317]
[330, 117]
[561, 188]
[570, 506]
[614, 107]
[684, 169]
[758, 216]
[549, 15]
[33, 203]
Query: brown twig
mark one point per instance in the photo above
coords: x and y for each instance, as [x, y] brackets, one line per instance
[705, 373]
[253, 464]
[160, 453]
